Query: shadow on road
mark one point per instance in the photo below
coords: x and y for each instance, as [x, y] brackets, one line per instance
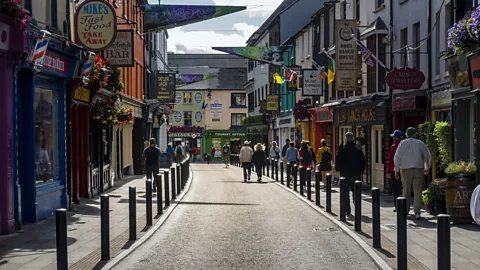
[216, 203]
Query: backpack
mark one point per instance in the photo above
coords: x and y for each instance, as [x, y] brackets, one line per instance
[225, 149]
[277, 154]
[326, 157]
[178, 154]
[307, 157]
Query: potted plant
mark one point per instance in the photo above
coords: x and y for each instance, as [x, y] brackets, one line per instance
[437, 190]
[460, 185]
[428, 201]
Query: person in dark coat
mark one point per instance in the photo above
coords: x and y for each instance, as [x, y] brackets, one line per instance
[350, 163]
[258, 160]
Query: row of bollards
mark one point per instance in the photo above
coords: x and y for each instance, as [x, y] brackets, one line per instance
[179, 178]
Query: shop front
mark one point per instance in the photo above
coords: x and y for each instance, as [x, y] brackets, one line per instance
[195, 139]
[409, 110]
[322, 120]
[368, 122]
[286, 129]
[218, 138]
[42, 132]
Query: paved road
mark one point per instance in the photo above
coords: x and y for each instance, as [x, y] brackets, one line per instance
[223, 223]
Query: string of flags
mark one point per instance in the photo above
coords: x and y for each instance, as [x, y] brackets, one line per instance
[288, 75]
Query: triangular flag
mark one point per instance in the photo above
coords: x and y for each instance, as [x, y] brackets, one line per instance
[321, 73]
[331, 71]
[291, 75]
[285, 72]
[278, 79]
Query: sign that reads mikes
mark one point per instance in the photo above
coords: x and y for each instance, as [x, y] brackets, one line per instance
[95, 25]
[120, 53]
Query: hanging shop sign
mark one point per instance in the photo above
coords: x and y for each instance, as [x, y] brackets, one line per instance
[346, 47]
[441, 96]
[56, 64]
[120, 53]
[272, 103]
[82, 95]
[356, 115]
[95, 25]
[312, 85]
[474, 64]
[166, 87]
[216, 110]
[405, 78]
[346, 80]
[404, 103]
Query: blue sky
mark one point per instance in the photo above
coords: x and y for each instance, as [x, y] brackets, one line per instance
[230, 30]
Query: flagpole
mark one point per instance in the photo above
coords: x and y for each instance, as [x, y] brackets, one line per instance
[373, 55]
[325, 52]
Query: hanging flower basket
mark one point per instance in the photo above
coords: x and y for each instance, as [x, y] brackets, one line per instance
[300, 110]
[124, 115]
[105, 113]
[14, 10]
[465, 34]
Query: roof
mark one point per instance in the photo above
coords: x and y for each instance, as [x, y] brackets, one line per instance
[227, 78]
[377, 26]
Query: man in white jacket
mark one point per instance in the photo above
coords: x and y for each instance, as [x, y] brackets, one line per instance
[413, 160]
[246, 154]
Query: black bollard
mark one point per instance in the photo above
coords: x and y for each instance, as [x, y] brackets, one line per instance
[318, 176]
[358, 206]
[180, 184]
[282, 178]
[159, 195]
[275, 166]
[443, 242]
[167, 188]
[402, 233]
[208, 159]
[268, 167]
[105, 227]
[343, 190]
[132, 212]
[295, 175]
[289, 173]
[303, 172]
[328, 202]
[174, 183]
[179, 174]
[148, 202]
[376, 218]
[308, 179]
[62, 245]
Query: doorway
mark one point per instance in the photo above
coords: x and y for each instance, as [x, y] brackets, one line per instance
[378, 171]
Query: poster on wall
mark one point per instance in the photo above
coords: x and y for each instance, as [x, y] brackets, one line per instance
[165, 87]
[312, 85]
[217, 143]
[95, 25]
[120, 53]
[216, 110]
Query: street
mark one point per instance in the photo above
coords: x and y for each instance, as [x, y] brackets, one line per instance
[223, 223]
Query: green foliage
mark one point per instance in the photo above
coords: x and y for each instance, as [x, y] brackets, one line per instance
[426, 135]
[114, 81]
[253, 120]
[436, 190]
[426, 197]
[443, 137]
[461, 167]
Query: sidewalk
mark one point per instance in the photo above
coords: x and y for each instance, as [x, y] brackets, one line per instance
[422, 234]
[35, 247]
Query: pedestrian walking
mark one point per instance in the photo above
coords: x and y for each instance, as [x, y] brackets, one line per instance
[396, 184]
[324, 156]
[225, 154]
[275, 155]
[258, 160]
[305, 155]
[284, 154]
[194, 153]
[292, 157]
[412, 161]
[179, 153]
[314, 157]
[246, 154]
[151, 159]
[212, 153]
[351, 165]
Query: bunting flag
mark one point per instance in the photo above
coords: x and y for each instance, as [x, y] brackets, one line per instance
[366, 54]
[285, 72]
[331, 71]
[278, 79]
[186, 79]
[162, 17]
[321, 73]
[270, 55]
[291, 75]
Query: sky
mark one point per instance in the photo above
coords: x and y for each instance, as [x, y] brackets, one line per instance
[230, 30]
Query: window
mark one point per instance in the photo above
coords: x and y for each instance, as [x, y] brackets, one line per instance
[46, 147]
[448, 25]
[262, 94]
[322, 38]
[237, 119]
[439, 48]
[238, 100]
[332, 36]
[416, 42]
[187, 97]
[344, 10]
[382, 56]
[309, 43]
[303, 46]
[403, 45]
[266, 91]
[357, 11]
[380, 3]
[251, 106]
[372, 71]
[187, 118]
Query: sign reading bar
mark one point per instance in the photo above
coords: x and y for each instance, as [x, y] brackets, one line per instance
[95, 25]
[346, 47]
[272, 103]
[312, 85]
[166, 87]
[357, 115]
[82, 95]
[120, 53]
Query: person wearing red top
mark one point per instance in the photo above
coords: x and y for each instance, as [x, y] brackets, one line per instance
[396, 184]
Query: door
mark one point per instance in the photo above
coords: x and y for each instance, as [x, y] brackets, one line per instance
[377, 158]
[341, 134]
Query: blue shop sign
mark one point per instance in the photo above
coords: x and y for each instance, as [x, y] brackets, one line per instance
[58, 65]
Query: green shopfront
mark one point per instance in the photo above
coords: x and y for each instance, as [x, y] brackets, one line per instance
[217, 139]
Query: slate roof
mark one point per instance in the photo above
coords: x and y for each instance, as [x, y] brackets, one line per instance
[227, 78]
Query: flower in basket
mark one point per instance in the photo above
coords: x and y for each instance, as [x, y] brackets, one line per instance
[124, 115]
[13, 9]
[97, 74]
[461, 167]
[459, 37]
[104, 112]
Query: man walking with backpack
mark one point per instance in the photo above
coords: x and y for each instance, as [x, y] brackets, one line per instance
[179, 153]
[275, 155]
[324, 155]
[151, 159]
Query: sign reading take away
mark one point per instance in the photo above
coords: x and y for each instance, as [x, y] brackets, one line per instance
[95, 25]
[272, 103]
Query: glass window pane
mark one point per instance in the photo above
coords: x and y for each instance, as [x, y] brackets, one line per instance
[46, 149]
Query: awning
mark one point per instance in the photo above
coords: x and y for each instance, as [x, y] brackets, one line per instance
[376, 27]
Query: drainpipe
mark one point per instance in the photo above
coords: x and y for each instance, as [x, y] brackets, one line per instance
[390, 90]
[429, 57]
[67, 28]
